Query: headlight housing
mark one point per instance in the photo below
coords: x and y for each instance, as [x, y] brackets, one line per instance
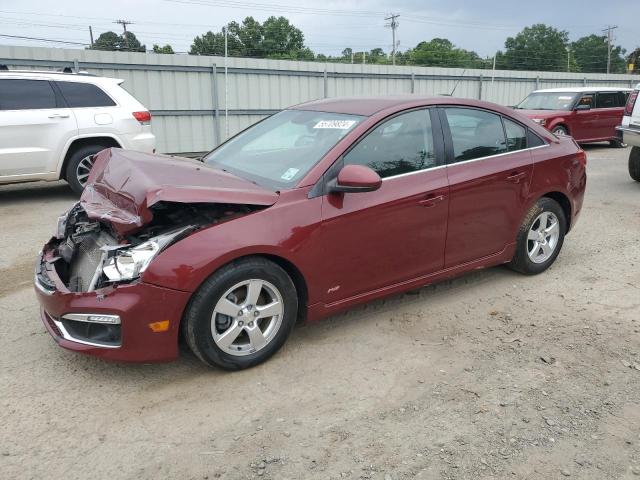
[129, 263]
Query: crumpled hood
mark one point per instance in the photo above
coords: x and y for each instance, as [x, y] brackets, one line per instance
[124, 185]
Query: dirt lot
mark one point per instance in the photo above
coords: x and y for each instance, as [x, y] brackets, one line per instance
[493, 375]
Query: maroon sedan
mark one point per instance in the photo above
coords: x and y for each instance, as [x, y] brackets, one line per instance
[318, 208]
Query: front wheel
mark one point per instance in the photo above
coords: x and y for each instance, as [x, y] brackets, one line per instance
[634, 164]
[540, 237]
[559, 131]
[242, 314]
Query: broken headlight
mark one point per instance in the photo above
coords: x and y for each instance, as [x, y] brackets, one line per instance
[130, 263]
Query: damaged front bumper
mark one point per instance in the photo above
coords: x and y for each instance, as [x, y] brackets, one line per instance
[118, 322]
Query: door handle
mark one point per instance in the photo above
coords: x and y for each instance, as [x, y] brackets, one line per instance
[515, 177]
[59, 115]
[431, 200]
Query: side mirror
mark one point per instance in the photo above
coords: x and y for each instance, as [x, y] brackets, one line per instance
[354, 179]
[583, 107]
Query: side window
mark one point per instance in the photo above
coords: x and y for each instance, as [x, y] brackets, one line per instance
[475, 133]
[402, 144]
[516, 135]
[607, 100]
[26, 95]
[79, 95]
[587, 99]
[622, 99]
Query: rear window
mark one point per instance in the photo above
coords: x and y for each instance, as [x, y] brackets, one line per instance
[611, 100]
[79, 95]
[18, 94]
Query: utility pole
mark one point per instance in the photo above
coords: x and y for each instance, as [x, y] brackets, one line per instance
[226, 83]
[568, 59]
[393, 23]
[364, 57]
[91, 35]
[609, 31]
[124, 24]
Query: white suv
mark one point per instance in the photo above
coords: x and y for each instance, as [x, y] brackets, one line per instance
[630, 129]
[51, 124]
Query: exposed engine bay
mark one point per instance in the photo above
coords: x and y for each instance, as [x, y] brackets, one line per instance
[89, 254]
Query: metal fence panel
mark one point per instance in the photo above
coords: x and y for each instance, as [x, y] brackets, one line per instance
[184, 92]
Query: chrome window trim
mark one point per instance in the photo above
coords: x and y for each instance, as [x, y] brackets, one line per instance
[464, 161]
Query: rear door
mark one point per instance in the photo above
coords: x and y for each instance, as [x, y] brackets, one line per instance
[397, 233]
[92, 107]
[610, 107]
[35, 126]
[489, 172]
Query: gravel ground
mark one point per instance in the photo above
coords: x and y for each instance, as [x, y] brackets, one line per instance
[493, 375]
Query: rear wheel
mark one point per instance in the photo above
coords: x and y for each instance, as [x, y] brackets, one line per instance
[79, 166]
[634, 163]
[540, 237]
[242, 314]
[617, 143]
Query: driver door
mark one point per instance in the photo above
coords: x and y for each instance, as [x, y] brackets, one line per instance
[397, 233]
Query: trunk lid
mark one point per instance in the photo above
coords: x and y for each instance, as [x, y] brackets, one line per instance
[124, 186]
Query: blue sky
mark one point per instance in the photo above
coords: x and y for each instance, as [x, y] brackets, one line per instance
[328, 26]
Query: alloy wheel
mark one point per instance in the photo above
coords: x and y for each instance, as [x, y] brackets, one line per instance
[84, 169]
[543, 236]
[247, 317]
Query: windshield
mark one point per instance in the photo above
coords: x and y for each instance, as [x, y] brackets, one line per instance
[548, 101]
[281, 149]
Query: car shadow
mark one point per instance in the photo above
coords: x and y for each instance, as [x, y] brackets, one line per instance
[36, 192]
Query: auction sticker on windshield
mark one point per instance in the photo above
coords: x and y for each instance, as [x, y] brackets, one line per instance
[339, 124]
[289, 174]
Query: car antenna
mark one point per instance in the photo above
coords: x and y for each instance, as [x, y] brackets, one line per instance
[455, 86]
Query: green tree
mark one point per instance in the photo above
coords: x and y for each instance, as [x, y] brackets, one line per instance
[275, 38]
[440, 52]
[113, 41]
[591, 55]
[538, 47]
[166, 49]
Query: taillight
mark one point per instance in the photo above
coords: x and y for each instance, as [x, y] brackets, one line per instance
[582, 157]
[631, 102]
[143, 117]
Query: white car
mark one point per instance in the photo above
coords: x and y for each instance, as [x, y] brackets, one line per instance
[51, 124]
[630, 129]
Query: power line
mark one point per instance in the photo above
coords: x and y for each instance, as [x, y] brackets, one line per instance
[20, 37]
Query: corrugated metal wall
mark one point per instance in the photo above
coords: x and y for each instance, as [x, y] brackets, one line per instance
[188, 94]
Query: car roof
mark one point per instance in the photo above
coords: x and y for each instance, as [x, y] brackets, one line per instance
[583, 89]
[57, 76]
[368, 106]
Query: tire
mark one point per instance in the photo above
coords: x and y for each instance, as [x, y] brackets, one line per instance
[234, 347]
[617, 143]
[634, 163]
[74, 172]
[560, 131]
[526, 262]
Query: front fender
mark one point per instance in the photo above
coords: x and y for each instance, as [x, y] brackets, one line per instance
[288, 231]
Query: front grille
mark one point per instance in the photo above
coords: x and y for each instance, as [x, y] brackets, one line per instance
[87, 261]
